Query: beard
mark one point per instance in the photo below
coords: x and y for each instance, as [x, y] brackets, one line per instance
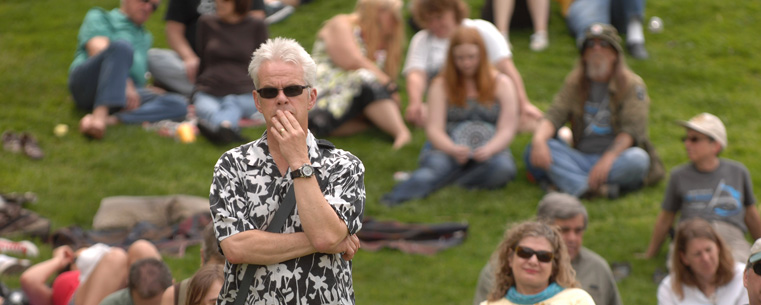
[599, 68]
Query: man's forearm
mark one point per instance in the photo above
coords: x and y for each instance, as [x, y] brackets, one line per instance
[175, 36]
[324, 229]
[265, 248]
[416, 83]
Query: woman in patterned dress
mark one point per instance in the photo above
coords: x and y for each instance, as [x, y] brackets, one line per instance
[358, 57]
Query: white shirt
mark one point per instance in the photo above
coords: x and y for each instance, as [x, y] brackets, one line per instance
[732, 293]
[428, 52]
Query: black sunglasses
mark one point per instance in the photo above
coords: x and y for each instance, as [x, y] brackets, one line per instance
[289, 91]
[757, 268]
[527, 253]
[154, 5]
[694, 139]
[592, 42]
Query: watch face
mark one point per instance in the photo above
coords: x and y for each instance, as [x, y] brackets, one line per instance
[307, 170]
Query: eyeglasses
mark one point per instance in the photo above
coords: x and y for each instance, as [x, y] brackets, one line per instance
[290, 91]
[527, 253]
[154, 5]
[592, 42]
[757, 268]
[694, 139]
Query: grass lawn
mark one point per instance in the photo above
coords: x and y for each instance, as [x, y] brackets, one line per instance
[706, 59]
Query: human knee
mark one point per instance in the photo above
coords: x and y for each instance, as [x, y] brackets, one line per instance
[638, 158]
[121, 49]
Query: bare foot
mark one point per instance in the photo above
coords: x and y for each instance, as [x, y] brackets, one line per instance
[92, 127]
[402, 139]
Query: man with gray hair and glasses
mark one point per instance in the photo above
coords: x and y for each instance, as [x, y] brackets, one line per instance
[592, 271]
[287, 205]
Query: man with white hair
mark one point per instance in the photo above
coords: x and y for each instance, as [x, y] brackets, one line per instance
[306, 259]
[592, 271]
[716, 189]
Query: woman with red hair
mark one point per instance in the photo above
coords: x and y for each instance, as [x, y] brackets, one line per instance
[473, 117]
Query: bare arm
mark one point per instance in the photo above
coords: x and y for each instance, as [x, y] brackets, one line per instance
[265, 248]
[540, 151]
[753, 221]
[175, 36]
[662, 224]
[322, 226]
[96, 45]
[416, 83]
[435, 127]
[507, 67]
[343, 50]
[33, 280]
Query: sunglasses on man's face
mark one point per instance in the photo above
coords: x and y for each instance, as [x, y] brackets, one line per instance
[154, 5]
[592, 42]
[290, 91]
[694, 139]
[757, 268]
[527, 253]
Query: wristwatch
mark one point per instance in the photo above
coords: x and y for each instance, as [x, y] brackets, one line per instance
[305, 171]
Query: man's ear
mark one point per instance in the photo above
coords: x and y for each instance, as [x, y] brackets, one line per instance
[256, 101]
[312, 98]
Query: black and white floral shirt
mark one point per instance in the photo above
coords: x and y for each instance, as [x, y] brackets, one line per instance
[247, 190]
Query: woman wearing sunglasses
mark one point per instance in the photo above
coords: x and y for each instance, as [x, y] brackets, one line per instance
[534, 267]
[358, 57]
[702, 269]
[223, 93]
[472, 119]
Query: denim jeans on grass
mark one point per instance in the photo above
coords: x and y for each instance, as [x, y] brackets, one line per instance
[102, 81]
[437, 169]
[583, 13]
[214, 110]
[570, 168]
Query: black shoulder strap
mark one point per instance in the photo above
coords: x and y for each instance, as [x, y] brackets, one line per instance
[285, 209]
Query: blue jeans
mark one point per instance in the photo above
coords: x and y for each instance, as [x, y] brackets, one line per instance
[102, 81]
[437, 169]
[215, 110]
[583, 13]
[570, 168]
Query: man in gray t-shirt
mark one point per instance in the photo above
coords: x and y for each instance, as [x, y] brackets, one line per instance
[715, 189]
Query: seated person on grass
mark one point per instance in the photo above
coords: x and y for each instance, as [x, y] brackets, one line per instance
[716, 189]
[592, 271]
[109, 70]
[607, 106]
[85, 277]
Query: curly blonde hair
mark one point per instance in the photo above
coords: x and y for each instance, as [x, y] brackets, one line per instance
[562, 272]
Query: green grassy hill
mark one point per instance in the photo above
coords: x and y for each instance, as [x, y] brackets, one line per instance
[706, 59]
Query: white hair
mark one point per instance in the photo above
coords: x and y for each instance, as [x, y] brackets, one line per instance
[286, 50]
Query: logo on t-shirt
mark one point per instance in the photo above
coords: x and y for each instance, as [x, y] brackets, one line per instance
[723, 201]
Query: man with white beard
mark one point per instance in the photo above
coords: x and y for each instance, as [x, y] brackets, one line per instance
[607, 106]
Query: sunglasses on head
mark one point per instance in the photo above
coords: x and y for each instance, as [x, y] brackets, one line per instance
[154, 5]
[527, 253]
[290, 91]
[592, 42]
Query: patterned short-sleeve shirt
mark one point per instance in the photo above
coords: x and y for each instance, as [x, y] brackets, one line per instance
[246, 191]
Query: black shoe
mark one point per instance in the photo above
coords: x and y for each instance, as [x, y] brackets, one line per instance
[637, 50]
[221, 136]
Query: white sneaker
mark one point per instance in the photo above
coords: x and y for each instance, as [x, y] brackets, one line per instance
[24, 247]
[539, 41]
[12, 265]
